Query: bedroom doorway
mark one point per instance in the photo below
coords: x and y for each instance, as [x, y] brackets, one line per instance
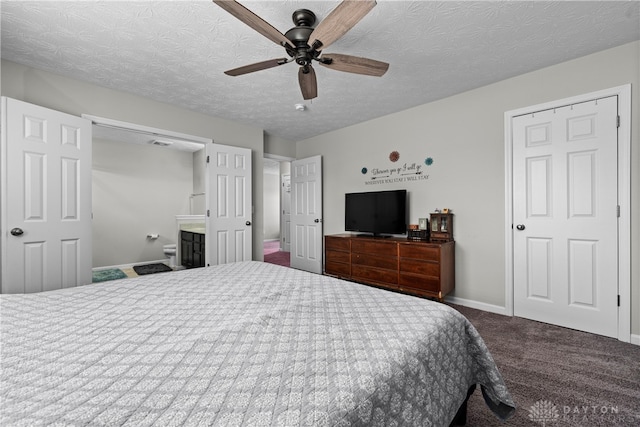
[276, 209]
[568, 242]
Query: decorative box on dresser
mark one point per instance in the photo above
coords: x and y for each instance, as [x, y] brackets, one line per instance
[417, 267]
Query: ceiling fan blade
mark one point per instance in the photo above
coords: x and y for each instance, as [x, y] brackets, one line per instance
[254, 21]
[339, 21]
[256, 67]
[354, 64]
[308, 82]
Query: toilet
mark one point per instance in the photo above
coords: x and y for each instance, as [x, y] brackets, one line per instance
[170, 252]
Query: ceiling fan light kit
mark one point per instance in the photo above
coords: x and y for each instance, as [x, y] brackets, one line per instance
[296, 42]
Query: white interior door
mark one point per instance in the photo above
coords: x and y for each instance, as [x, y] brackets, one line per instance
[306, 214]
[285, 222]
[229, 210]
[46, 199]
[565, 212]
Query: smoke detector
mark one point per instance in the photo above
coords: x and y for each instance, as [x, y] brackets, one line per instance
[300, 107]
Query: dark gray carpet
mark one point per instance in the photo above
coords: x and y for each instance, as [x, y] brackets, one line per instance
[561, 376]
[151, 268]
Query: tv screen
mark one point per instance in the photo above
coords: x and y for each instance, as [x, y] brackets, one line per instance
[376, 212]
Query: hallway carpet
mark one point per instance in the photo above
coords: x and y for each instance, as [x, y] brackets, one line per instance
[271, 246]
[273, 255]
[279, 258]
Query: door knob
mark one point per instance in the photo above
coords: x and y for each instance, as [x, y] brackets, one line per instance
[17, 231]
[520, 227]
[316, 220]
[247, 223]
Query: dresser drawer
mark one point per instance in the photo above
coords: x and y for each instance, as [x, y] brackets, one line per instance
[376, 275]
[425, 268]
[337, 243]
[419, 283]
[378, 261]
[337, 268]
[417, 251]
[338, 256]
[374, 247]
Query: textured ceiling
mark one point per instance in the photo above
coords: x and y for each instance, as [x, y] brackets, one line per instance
[176, 52]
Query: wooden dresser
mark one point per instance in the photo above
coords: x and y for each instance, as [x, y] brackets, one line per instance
[421, 268]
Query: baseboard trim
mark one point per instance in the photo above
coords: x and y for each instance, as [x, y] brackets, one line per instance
[477, 305]
[121, 266]
[635, 339]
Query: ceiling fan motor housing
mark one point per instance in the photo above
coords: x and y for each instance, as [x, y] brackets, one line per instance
[299, 36]
[304, 19]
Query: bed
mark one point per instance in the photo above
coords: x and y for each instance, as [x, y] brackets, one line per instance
[241, 344]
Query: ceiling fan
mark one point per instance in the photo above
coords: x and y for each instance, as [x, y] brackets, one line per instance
[304, 43]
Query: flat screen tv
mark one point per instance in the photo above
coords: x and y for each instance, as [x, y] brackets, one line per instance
[376, 212]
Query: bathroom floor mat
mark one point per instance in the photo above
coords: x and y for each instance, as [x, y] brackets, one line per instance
[109, 274]
[151, 268]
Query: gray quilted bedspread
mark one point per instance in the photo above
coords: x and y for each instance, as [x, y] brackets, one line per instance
[245, 344]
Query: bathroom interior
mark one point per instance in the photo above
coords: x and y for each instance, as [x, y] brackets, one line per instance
[148, 190]
[144, 193]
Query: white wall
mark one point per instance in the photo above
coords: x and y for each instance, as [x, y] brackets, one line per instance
[77, 97]
[137, 190]
[464, 134]
[279, 146]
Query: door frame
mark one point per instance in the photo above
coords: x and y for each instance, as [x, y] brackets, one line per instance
[158, 133]
[285, 194]
[624, 197]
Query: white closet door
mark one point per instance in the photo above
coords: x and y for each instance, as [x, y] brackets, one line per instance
[565, 214]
